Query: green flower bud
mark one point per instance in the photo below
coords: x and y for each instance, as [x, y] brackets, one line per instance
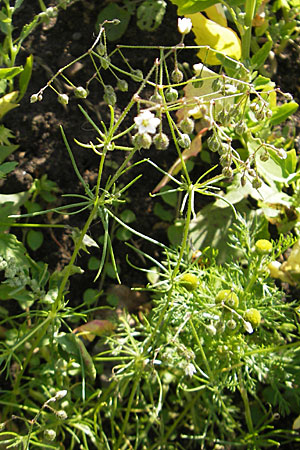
[63, 99]
[80, 92]
[187, 125]
[198, 83]
[156, 98]
[109, 95]
[34, 98]
[216, 85]
[256, 183]
[50, 435]
[105, 61]
[61, 414]
[231, 324]
[171, 95]
[227, 172]
[122, 85]
[137, 75]
[213, 143]
[184, 141]
[146, 140]
[101, 49]
[253, 316]
[177, 76]
[240, 128]
[264, 156]
[161, 141]
[189, 281]
[227, 297]
[263, 247]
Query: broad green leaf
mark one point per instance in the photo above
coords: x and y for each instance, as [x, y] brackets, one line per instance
[277, 169]
[215, 36]
[10, 247]
[193, 6]
[216, 13]
[212, 226]
[150, 14]
[111, 12]
[34, 239]
[25, 77]
[7, 102]
[282, 112]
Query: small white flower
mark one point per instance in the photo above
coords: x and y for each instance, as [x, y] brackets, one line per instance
[146, 122]
[248, 327]
[184, 25]
[190, 370]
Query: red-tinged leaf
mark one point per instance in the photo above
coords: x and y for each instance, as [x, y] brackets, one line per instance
[94, 328]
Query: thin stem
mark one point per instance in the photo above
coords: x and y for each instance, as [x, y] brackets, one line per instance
[250, 8]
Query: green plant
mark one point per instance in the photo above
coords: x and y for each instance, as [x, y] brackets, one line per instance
[205, 366]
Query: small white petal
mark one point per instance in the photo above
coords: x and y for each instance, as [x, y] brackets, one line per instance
[184, 25]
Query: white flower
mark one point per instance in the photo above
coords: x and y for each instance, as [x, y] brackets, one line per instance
[248, 327]
[146, 122]
[184, 25]
[190, 370]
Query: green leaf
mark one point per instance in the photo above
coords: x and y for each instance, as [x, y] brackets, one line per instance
[150, 14]
[260, 57]
[170, 198]
[212, 227]
[193, 6]
[277, 169]
[282, 112]
[123, 234]
[93, 263]
[10, 247]
[6, 168]
[111, 12]
[34, 239]
[127, 216]
[25, 77]
[175, 233]
[162, 213]
[11, 72]
[90, 296]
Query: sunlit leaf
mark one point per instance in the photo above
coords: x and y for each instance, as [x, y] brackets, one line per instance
[211, 34]
[94, 328]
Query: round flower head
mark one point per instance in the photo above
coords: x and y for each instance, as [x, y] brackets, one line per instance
[184, 25]
[263, 246]
[146, 122]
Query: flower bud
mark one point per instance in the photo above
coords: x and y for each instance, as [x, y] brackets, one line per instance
[227, 297]
[227, 172]
[184, 25]
[122, 85]
[187, 125]
[240, 128]
[146, 140]
[137, 75]
[231, 324]
[177, 76]
[161, 141]
[263, 247]
[105, 61]
[50, 435]
[184, 141]
[80, 92]
[171, 95]
[213, 143]
[256, 183]
[109, 95]
[63, 99]
[253, 316]
[264, 156]
[156, 98]
[34, 98]
[189, 281]
[61, 414]
[101, 49]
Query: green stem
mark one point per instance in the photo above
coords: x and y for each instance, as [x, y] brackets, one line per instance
[128, 410]
[250, 8]
[245, 399]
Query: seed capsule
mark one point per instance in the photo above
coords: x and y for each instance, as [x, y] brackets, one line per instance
[189, 281]
[227, 297]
